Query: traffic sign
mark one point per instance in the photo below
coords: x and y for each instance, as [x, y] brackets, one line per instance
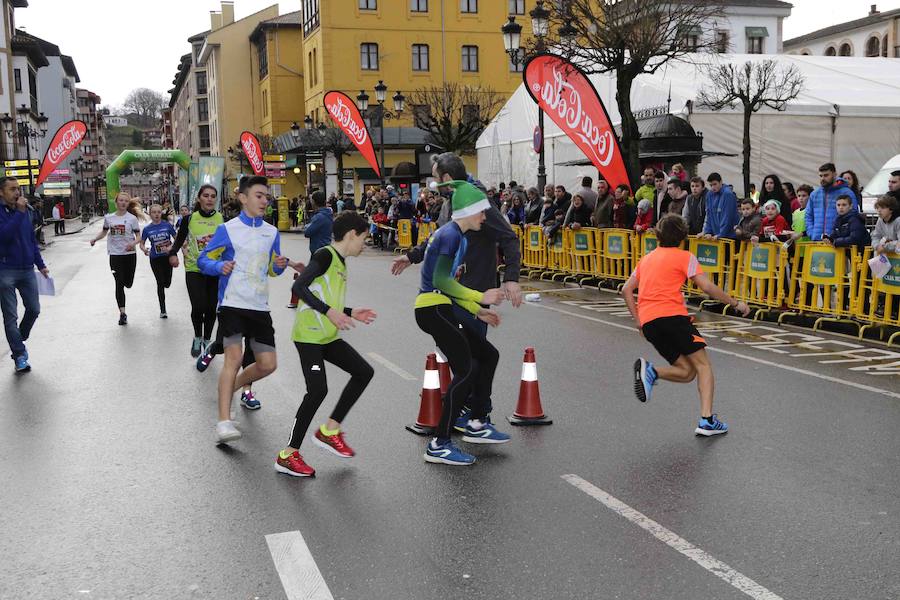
[21, 163]
[274, 158]
[275, 165]
[277, 181]
[538, 139]
[21, 172]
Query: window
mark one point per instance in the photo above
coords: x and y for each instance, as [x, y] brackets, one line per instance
[721, 42]
[262, 53]
[310, 16]
[418, 5]
[517, 65]
[32, 89]
[846, 50]
[368, 57]
[691, 41]
[197, 48]
[468, 6]
[265, 103]
[368, 4]
[204, 136]
[517, 7]
[315, 66]
[17, 74]
[201, 82]
[202, 109]
[309, 69]
[420, 57]
[884, 46]
[755, 45]
[470, 59]
[873, 47]
[830, 51]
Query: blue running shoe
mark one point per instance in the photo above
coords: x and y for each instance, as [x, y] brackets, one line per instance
[22, 365]
[447, 454]
[462, 420]
[711, 426]
[485, 433]
[204, 360]
[249, 401]
[644, 379]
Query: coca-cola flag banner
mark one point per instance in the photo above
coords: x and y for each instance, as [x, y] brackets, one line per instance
[253, 152]
[566, 95]
[64, 141]
[343, 111]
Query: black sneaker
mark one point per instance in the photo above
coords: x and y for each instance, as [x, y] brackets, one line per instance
[163, 315]
[123, 319]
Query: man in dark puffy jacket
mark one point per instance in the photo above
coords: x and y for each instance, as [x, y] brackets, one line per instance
[849, 226]
[319, 228]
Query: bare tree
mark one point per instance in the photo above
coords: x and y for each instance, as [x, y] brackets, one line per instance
[631, 37]
[754, 85]
[454, 115]
[147, 104]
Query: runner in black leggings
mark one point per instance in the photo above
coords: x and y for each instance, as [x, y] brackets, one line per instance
[124, 233]
[160, 234]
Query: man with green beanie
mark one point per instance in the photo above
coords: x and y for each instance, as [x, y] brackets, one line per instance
[472, 358]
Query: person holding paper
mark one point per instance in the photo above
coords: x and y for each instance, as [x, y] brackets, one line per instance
[19, 254]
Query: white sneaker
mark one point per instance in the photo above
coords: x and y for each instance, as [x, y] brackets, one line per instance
[227, 432]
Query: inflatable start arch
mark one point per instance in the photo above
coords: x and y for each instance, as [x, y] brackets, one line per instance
[132, 156]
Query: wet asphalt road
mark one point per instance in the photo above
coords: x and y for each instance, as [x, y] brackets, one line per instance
[113, 487]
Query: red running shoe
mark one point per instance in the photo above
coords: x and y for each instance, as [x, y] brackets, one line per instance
[293, 465]
[333, 443]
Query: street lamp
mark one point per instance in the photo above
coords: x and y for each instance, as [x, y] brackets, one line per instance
[307, 123]
[512, 41]
[25, 133]
[295, 132]
[380, 113]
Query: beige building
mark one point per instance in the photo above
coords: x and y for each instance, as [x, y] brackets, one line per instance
[189, 103]
[93, 147]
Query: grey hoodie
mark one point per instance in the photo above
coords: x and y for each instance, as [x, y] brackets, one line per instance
[887, 234]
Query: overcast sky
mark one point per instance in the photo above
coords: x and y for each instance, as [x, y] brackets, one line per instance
[118, 46]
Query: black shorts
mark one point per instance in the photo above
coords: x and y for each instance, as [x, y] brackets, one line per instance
[123, 267]
[673, 337]
[237, 324]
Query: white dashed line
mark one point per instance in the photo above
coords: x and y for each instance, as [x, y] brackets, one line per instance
[300, 576]
[391, 366]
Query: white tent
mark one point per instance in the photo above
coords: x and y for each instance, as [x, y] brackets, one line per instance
[848, 114]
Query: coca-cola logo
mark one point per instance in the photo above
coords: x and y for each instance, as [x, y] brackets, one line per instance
[343, 115]
[561, 97]
[71, 137]
[252, 150]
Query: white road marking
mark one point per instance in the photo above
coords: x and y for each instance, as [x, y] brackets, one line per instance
[853, 384]
[568, 289]
[300, 576]
[391, 366]
[673, 540]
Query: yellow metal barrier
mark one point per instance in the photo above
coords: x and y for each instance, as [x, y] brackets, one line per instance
[404, 235]
[616, 254]
[534, 250]
[559, 256]
[425, 230]
[878, 300]
[824, 282]
[583, 254]
[760, 277]
[718, 260]
[644, 244]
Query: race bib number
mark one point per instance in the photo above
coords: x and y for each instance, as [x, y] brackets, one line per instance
[162, 247]
[117, 230]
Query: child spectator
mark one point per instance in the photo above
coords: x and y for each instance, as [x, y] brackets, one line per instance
[644, 220]
[887, 230]
[380, 220]
[773, 224]
[548, 213]
[849, 226]
[798, 217]
[678, 172]
[694, 212]
[663, 320]
[721, 209]
[579, 214]
[553, 226]
[622, 210]
[749, 225]
[516, 213]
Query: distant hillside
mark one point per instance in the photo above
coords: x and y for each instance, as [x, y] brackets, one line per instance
[120, 138]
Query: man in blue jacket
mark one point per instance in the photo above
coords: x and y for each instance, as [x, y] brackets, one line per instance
[319, 228]
[19, 254]
[821, 210]
[721, 210]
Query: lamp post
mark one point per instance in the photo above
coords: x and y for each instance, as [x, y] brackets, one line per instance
[512, 41]
[380, 113]
[24, 132]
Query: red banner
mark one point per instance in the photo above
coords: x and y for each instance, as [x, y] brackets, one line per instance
[253, 152]
[564, 92]
[64, 141]
[345, 113]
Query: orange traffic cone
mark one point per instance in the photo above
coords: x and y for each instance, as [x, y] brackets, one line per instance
[430, 406]
[528, 409]
[443, 370]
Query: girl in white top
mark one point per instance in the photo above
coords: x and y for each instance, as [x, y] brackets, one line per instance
[124, 233]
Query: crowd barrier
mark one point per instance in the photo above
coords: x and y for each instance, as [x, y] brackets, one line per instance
[808, 279]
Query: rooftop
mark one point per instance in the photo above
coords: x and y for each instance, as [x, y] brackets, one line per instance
[288, 20]
[866, 21]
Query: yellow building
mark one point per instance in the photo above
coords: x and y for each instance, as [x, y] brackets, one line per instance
[351, 45]
[276, 66]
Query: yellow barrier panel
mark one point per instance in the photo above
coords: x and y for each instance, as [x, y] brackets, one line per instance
[645, 243]
[534, 250]
[718, 260]
[404, 235]
[616, 260]
[824, 282]
[878, 300]
[759, 280]
[559, 259]
[583, 254]
[425, 230]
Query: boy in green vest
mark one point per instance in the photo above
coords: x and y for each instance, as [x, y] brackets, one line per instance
[321, 314]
